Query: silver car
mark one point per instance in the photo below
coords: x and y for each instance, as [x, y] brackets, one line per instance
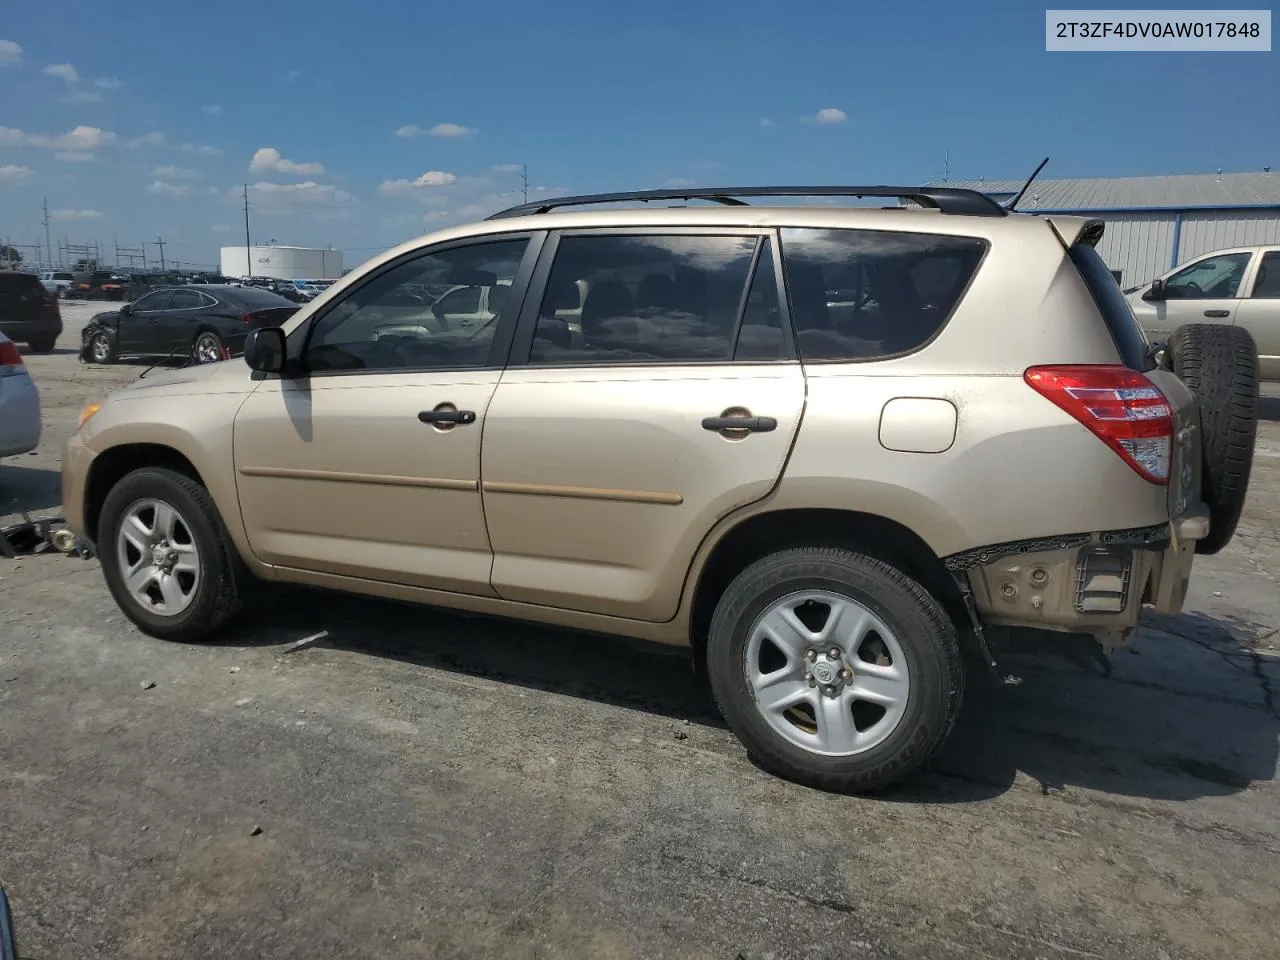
[1238, 286]
[19, 403]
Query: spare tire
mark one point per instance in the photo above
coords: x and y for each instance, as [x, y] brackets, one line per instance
[1219, 363]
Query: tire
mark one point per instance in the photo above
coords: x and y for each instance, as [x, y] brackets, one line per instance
[791, 743]
[206, 348]
[102, 348]
[42, 344]
[206, 602]
[1219, 363]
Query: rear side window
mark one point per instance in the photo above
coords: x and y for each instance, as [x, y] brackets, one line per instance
[20, 283]
[869, 294]
[1113, 306]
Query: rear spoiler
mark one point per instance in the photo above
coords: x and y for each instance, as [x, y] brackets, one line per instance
[1073, 230]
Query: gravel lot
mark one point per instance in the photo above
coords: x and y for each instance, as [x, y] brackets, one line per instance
[419, 784]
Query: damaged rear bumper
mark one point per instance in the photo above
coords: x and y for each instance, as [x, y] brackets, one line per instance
[1084, 583]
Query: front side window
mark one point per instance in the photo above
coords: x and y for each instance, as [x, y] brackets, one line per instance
[1214, 278]
[866, 294]
[393, 321]
[644, 299]
[1267, 285]
[152, 302]
[185, 300]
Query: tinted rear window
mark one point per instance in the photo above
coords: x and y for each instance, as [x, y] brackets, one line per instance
[868, 294]
[20, 283]
[1111, 303]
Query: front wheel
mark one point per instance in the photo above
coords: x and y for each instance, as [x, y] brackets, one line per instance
[102, 347]
[835, 669]
[207, 348]
[167, 557]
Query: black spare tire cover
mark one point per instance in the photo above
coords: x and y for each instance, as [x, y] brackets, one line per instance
[1219, 363]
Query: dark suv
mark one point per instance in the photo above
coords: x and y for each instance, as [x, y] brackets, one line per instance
[28, 312]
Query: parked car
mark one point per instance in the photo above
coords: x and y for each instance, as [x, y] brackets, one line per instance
[97, 285]
[20, 422]
[28, 312]
[1239, 286]
[205, 323]
[826, 499]
[57, 282]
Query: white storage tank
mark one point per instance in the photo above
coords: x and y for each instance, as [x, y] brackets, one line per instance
[281, 262]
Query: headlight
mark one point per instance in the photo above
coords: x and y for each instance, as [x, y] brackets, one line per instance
[87, 413]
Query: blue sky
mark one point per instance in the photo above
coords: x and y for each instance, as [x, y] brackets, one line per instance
[145, 121]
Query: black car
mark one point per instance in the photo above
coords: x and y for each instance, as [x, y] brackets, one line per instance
[28, 312]
[204, 323]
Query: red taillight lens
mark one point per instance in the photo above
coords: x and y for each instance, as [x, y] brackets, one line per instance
[1120, 406]
[10, 358]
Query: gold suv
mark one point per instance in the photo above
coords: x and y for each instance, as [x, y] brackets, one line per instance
[828, 448]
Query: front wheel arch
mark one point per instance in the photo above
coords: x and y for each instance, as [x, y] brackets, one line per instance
[114, 464]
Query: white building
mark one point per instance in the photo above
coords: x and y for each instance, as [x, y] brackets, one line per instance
[1156, 223]
[282, 263]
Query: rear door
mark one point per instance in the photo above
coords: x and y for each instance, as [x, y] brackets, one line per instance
[1259, 313]
[22, 297]
[179, 321]
[614, 444]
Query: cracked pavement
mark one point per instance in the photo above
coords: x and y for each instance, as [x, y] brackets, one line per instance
[433, 785]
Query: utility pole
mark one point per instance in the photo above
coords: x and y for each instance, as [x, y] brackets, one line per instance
[248, 252]
[160, 244]
[524, 182]
[946, 167]
[48, 244]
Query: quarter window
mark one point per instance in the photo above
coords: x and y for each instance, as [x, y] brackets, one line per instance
[866, 294]
[395, 321]
[643, 299]
[1214, 278]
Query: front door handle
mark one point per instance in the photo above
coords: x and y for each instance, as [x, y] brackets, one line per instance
[447, 416]
[1217, 313]
[750, 424]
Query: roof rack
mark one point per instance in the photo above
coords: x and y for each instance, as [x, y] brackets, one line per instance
[945, 199]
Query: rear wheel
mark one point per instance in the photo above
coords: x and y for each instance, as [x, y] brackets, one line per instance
[207, 347]
[834, 669]
[167, 557]
[1219, 364]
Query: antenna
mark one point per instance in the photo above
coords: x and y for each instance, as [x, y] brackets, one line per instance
[1014, 202]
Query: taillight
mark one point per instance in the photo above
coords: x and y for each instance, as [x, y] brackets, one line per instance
[1120, 406]
[10, 359]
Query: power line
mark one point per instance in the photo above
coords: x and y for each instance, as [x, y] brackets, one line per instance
[524, 182]
[248, 251]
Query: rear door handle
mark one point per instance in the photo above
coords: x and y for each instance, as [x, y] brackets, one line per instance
[1217, 313]
[751, 424]
[447, 416]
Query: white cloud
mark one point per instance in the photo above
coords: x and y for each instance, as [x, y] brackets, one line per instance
[432, 178]
[64, 71]
[451, 130]
[12, 173]
[175, 173]
[108, 83]
[269, 160]
[204, 151]
[212, 191]
[83, 96]
[220, 228]
[507, 168]
[153, 139]
[76, 214]
[162, 188]
[75, 156]
[829, 115]
[212, 110]
[293, 75]
[307, 192]
[766, 122]
[410, 130]
[679, 182]
[10, 53]
[79, 138]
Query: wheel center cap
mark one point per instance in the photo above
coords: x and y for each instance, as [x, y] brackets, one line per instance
[159, 555]
[824, 672]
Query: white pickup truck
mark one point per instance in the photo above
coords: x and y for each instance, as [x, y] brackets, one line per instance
[57, 281]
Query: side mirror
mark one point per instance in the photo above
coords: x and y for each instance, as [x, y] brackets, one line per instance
[1157, 292]
[264, 350]
[126, 310]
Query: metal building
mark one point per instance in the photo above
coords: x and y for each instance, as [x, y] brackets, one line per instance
[282, 263]
[1156, 223]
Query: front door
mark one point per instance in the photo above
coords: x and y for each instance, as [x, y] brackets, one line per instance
[366, 462]
[140, 327]
[1203, 291]
[613, 445]
[1259, 313]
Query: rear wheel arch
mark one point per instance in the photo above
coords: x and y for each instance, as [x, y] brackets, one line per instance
[867, 533]
[115, 463]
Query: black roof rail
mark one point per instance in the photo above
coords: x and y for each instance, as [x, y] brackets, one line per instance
[945, 199]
